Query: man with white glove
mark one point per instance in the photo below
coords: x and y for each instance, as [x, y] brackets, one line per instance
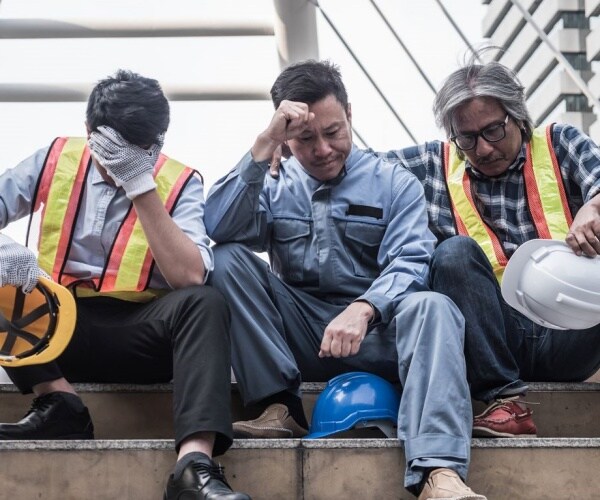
[122, 226]
[18, 265]
[128, 165]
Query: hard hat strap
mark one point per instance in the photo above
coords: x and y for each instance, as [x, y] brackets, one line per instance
[385, 426]
[15, 329]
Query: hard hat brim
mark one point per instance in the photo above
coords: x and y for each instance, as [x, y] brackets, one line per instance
[513, 272]
[354, 400]
[64, 327]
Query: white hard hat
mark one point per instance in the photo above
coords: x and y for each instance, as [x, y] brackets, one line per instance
[551, 285]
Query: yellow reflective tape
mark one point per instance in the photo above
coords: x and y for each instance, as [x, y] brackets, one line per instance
[130, 296]
[132, 262]
[59, 195]
[470, 217]
[547, 185]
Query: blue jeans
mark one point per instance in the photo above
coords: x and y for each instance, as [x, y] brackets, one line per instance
[503, 347]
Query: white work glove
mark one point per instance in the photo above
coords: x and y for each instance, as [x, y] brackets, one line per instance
[18, 265]
[130, 166]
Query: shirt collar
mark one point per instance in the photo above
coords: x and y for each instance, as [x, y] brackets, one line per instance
[349, 163]
[316, 183]
[96, 177]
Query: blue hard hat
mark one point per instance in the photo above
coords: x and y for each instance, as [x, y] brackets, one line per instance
[355, 399]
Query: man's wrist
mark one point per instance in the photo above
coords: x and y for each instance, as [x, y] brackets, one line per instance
[138, 185]
[374, 312]
[263, 148]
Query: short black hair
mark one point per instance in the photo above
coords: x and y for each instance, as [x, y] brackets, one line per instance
[309, 81]
[133, 105]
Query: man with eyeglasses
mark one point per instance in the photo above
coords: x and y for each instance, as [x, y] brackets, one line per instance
[496, 184]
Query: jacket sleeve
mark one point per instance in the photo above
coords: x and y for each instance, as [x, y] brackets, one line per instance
[405, 250]
[236, 206]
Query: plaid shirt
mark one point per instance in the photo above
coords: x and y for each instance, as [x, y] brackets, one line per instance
[502, 200]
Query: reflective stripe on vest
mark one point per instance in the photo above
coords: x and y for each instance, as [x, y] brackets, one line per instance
[129, 264]
[546, 198]
[60, 188]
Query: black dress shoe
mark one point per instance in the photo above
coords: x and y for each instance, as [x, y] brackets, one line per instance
[52, 416]
[201, 479]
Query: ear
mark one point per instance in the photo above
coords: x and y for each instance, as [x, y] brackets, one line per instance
[349, 113]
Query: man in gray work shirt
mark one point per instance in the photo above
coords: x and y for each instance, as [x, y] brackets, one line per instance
[347, 239]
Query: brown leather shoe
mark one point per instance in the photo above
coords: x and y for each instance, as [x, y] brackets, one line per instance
[447, 485]
[274, 423]
[505, 418]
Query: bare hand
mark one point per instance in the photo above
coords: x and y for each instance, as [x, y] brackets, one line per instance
[345, 333]
[288, 122]
[584, 234]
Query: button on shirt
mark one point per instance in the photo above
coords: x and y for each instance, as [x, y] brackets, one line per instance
[361, 236]
[502, 200]
[102, 211]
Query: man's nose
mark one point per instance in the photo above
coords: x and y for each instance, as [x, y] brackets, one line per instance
[322, 147]
[483, 147]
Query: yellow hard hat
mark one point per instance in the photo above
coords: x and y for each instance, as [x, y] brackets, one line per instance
[35, 327]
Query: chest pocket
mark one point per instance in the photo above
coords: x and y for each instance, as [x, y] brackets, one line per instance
[291, 239]
[362, 242]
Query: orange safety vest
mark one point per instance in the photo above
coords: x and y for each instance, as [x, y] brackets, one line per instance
[546, 198]
[129, 265]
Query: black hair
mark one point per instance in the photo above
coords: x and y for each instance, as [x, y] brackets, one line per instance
[309, 81]
[133, 105]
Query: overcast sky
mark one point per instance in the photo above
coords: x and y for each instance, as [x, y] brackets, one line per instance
[212, 136]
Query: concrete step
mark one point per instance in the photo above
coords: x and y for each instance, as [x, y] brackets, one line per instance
[124, 411]
[133, 453]
[329, 469]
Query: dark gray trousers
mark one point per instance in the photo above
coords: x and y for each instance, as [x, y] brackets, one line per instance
[183, 336]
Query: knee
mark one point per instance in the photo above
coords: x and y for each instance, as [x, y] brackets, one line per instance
[430, 303]
[228, 263]
[450, 253]
[435, 312]
[205, 297]
[214, 300]
[456, 260]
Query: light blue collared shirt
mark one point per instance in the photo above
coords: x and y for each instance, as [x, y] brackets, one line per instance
[102, 211]
[362, 235]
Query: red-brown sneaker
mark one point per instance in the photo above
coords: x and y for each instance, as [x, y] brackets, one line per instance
[504, 418]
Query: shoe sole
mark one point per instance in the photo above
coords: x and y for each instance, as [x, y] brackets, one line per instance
[249, 435]
[485, 432]
[246, 431]
[463, 497]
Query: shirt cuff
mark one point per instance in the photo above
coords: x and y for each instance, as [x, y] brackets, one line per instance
[376, 314]
[252, 171]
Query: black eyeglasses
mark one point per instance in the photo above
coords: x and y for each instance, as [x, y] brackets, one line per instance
[493, 133]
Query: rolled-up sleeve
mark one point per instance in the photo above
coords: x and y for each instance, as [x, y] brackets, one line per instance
[17, 187]
[189, 217]
[579, 159]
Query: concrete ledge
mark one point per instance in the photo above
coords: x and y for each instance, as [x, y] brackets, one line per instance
[307, 387]
[287, 444]
[133, 411]
[294, 469]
